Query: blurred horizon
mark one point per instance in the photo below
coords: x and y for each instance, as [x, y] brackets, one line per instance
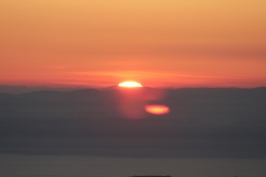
[20, 89]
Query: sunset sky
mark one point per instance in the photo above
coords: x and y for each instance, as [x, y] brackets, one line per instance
[172, 43]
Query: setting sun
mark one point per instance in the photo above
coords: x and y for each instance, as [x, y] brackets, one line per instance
[129, 84]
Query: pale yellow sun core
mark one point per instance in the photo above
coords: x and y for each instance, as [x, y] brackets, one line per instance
[129, 84]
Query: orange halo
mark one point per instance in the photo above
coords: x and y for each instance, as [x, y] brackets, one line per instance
[157, 109]
[129, 84]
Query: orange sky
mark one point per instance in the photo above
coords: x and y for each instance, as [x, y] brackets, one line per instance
[176, 43]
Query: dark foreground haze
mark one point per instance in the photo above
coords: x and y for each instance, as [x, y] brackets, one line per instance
[209, 131]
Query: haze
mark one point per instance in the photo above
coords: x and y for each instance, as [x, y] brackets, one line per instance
[100, 43]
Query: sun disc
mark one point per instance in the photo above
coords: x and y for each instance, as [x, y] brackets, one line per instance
[129, 84]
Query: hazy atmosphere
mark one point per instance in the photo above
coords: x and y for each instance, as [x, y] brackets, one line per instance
[122, 88]
[181, 43]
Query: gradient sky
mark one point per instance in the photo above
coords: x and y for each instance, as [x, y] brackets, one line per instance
[175, 43]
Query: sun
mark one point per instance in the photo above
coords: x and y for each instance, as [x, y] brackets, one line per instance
[129, 84]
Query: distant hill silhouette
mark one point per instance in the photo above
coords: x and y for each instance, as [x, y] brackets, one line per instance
[24, 89]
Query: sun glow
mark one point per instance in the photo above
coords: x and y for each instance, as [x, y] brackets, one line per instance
[129, 84]
[157, 109]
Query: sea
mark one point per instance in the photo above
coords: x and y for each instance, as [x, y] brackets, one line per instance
[18, 165]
